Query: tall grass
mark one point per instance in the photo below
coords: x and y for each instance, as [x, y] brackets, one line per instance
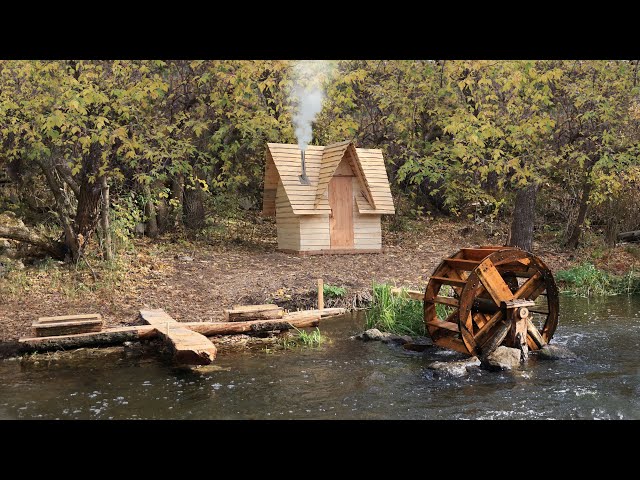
[394, 313]
[587, 280]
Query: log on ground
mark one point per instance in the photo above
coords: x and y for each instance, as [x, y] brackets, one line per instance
[241, 313]
[629, 236]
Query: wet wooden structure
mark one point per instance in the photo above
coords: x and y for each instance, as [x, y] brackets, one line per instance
[188, 340]
[483, 297]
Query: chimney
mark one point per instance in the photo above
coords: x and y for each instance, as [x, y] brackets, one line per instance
[304, 180]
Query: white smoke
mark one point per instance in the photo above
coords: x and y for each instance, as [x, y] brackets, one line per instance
[306, 95]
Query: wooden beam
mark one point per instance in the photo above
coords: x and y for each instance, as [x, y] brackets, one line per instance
[413, 294]
[320, 294]
[188, 347]
[119, 335]
[449, 281]
[462, 264]
[253, 312]
[70, 318]
[443, 324]
[493, 282]
[66, 328]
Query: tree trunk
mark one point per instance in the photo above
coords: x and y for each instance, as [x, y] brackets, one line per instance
[162, 209]
[150, 212]
[89, 200]
[523, 219]
[106, 229]
[193, 205]
[574, 238]
[177, 194]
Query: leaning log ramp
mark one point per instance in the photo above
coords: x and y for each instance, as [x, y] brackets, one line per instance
[187, 340]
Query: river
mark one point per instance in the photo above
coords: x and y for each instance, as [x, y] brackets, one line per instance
[343, 379]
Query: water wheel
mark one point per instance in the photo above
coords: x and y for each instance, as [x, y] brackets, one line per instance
[487, 296]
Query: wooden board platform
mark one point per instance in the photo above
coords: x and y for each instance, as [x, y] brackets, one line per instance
[333, 251]
[189, 347]
[67, 325]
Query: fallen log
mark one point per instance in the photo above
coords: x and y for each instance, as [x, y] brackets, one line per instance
[23, 234]
[119, 335]
[633, 236]
[241, 313]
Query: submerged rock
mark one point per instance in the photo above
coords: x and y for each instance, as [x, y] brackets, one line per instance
[373, 334]
[458, 368]
[556, 352]
[502, 358]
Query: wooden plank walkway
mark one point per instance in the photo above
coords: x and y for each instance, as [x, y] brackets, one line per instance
[189, 347]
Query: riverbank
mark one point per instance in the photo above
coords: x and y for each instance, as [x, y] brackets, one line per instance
[194, 281]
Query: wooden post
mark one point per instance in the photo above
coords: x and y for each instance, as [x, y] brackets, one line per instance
[320, 294]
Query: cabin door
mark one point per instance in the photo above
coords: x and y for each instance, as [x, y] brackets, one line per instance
[341, 216]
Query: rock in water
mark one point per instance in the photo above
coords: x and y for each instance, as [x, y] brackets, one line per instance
[454, 369]
[502, 358]
[556, 352]
[384, 337]
[418, 344]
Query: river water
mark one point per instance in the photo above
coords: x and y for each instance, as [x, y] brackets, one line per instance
[343, 379]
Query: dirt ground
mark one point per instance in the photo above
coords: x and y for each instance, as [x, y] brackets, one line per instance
[195, 281]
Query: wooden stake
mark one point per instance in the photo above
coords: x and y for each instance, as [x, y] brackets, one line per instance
[320, 294]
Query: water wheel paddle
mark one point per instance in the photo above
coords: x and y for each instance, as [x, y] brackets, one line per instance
[491, 295]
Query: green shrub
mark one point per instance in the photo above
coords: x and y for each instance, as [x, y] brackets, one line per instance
[333, 291]
[397, 314]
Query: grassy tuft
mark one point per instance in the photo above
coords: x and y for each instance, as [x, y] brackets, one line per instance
[304, 339]
[586, 280]
[394, 313]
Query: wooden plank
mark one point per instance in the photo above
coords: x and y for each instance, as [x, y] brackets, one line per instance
[535, 334]
[452, 302]
[497, 337]
[70, 318]
[528, 288]
[189, 347]
[252, 312]
[449, 281]
[493, 282]
[442, 324]
[477, 253]
[484, 331]
[48, 329]
[337, 251]
[413, 294]
[461, 264]
[341, 222]
[452, 344]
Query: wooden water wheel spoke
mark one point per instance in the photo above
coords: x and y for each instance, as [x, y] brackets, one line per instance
[493, 282]
[528, 288]
[486, 286]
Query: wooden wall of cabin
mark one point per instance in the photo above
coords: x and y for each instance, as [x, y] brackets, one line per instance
[314, 232]
[367, 232]
[287, 223]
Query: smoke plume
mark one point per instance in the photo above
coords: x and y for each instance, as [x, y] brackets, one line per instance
[306, 95]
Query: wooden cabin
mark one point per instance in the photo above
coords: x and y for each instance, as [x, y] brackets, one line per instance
[340, 207]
